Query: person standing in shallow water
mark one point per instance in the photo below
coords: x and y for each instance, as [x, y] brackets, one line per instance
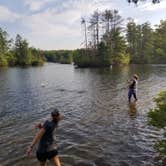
[47, 148]
[133, 88]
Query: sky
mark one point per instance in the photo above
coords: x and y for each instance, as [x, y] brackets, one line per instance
[55, 24]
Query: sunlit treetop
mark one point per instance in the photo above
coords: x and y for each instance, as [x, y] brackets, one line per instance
[136, 1]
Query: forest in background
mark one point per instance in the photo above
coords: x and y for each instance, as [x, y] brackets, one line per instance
[17, 52]
[108, 42]
[58, 56]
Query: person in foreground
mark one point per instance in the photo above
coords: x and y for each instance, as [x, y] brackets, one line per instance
[47, 148]
[133, 88]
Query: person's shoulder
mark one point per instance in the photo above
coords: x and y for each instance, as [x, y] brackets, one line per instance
[47, 124]
[132, 80]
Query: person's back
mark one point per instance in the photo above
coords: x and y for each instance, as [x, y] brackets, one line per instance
[133, 85]
[48, 140]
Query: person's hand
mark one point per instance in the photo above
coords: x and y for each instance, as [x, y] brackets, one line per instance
[29, 151]
[38, 125]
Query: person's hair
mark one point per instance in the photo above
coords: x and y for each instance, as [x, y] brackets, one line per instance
[135, 76]
[55, 114]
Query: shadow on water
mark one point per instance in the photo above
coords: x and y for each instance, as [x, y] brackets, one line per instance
[133, 109]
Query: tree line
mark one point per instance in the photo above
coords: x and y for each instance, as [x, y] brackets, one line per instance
[58, 56]
[17, 52]
[146, 45]
[107, 41]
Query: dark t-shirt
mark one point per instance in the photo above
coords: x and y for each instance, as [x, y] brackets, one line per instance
[133, 85]
[48, 141]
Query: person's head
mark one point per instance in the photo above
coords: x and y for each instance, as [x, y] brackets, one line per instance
[135, 76]
[56, 116]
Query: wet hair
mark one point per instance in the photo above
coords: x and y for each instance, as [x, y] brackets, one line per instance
[55, 114]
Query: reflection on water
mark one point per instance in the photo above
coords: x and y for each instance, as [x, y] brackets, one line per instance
[99, 128]
[132, 109]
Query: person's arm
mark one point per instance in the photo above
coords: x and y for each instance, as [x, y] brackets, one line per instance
[38, 125]
[37, 137]
[131, 82]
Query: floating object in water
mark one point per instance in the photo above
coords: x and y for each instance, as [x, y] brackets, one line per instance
[81, 91]
[43, 85]
[62, 90]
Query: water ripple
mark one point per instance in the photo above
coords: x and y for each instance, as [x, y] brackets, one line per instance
[99, 128]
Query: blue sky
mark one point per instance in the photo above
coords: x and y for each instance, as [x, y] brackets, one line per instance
[55, 24]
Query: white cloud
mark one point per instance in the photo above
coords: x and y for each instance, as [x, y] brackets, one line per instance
[62, 22]
[49, 23]
[53, 26]
[57, 25]
[6, 15]
[62, 19]
[35, 5]
[56, 22]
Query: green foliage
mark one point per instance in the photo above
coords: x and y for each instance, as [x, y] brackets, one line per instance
[4, 42]
[160, 43]
[158, 115]
[122, 59]
[119, 49]
[37, 58]
[3, 61]
[140, 42]
[141, 45]
[110, 49]
[157, 118]
[59, 56]
[22, 52]
[132, 38]
[19, 54]
[161, 147]
[66, 57]
[161, 99]
[4, 47]
[146, 45]
[84, 58]
[104, 54]
[11, 58]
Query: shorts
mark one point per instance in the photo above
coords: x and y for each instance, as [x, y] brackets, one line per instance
[46, 155]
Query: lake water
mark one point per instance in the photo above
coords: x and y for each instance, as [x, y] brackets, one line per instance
[99, 128]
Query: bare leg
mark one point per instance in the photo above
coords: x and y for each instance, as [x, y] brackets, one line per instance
[135, 96]
[56, 161]
[42, 163]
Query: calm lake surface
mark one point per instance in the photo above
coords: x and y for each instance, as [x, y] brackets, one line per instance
[99, 128]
